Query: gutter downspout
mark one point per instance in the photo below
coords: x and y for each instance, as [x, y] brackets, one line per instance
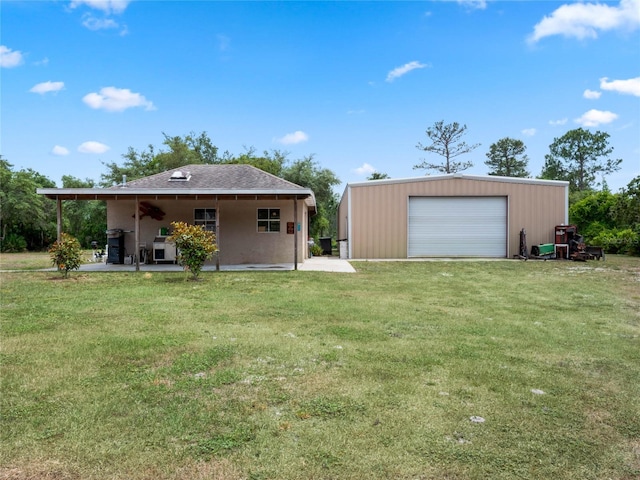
[566, 205]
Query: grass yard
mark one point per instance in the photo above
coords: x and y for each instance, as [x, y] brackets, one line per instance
[25, 261]
[33, 260]
[404, 370]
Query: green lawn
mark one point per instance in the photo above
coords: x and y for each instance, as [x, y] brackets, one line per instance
[311, 375]
[33, 260]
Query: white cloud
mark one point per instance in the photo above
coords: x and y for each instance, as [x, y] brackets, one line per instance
[46, 87]
[93, 147]
[365, 169]
[474, 4]
[10, 58]
[223, 42]
[585, 20]
[629, 87]
[292, 138]
[562, 121]
[114, 99]
[593, 118]
[106, 6]
[403, 70]
[591, 94]
[59, 151]
[529, 132]
[93, 23]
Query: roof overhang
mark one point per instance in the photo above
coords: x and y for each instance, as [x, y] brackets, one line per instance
[126, 193]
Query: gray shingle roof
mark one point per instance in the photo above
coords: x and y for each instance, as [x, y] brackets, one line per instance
[216, 177]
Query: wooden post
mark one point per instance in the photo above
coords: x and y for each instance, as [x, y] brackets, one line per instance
[295, 233]
[59, 215]
[137, 235]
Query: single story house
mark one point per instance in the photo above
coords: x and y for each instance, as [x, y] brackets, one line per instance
[454, 215]
[258, 218]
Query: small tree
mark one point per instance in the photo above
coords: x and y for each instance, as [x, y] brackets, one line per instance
[448, 144]
[578, 157]
[195, 245]
[66, 254]
[506, 158]
[627, 209]
[377, 176]
[306, 172]
[593, 213]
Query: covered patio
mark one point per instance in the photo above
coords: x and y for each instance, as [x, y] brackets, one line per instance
[257, 218]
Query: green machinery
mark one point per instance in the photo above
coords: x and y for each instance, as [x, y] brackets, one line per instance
[545, 250]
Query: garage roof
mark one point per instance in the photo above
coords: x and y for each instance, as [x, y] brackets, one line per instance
[452, 176]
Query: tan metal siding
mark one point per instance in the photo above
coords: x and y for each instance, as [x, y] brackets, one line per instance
[379, 211]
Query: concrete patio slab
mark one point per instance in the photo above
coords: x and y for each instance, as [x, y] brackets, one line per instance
[316, 264]
[326, 264]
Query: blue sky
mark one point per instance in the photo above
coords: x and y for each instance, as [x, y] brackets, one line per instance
[356, 84]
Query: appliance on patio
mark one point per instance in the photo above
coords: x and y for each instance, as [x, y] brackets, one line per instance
[163, 251]
[115, 246]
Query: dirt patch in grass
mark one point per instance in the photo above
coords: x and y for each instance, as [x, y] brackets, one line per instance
[48, 470]
[194, 470]
[215, 469]
[634, 460]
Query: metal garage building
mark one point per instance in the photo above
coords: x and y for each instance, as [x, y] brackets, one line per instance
[452, 215]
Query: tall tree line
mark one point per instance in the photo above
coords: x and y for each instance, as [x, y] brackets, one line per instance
[198, 149]
[28, 220]
[580, 157]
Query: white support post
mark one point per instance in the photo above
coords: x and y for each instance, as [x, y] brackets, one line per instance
[295, 233]
[137, 235]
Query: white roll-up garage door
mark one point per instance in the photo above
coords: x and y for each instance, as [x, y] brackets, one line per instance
[457, 227]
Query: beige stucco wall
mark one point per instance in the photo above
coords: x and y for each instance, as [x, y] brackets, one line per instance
[377, 224]
[239, 241]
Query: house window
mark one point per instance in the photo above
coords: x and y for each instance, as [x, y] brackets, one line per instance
[205, 217]
[268, 219]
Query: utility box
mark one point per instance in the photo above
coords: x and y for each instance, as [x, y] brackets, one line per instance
[344, 249]
[325, 244]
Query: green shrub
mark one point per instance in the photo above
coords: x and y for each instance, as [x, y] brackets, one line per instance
[66, 254]
[618, 241]
[13, 243]
[316, 250]
[195, 245]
